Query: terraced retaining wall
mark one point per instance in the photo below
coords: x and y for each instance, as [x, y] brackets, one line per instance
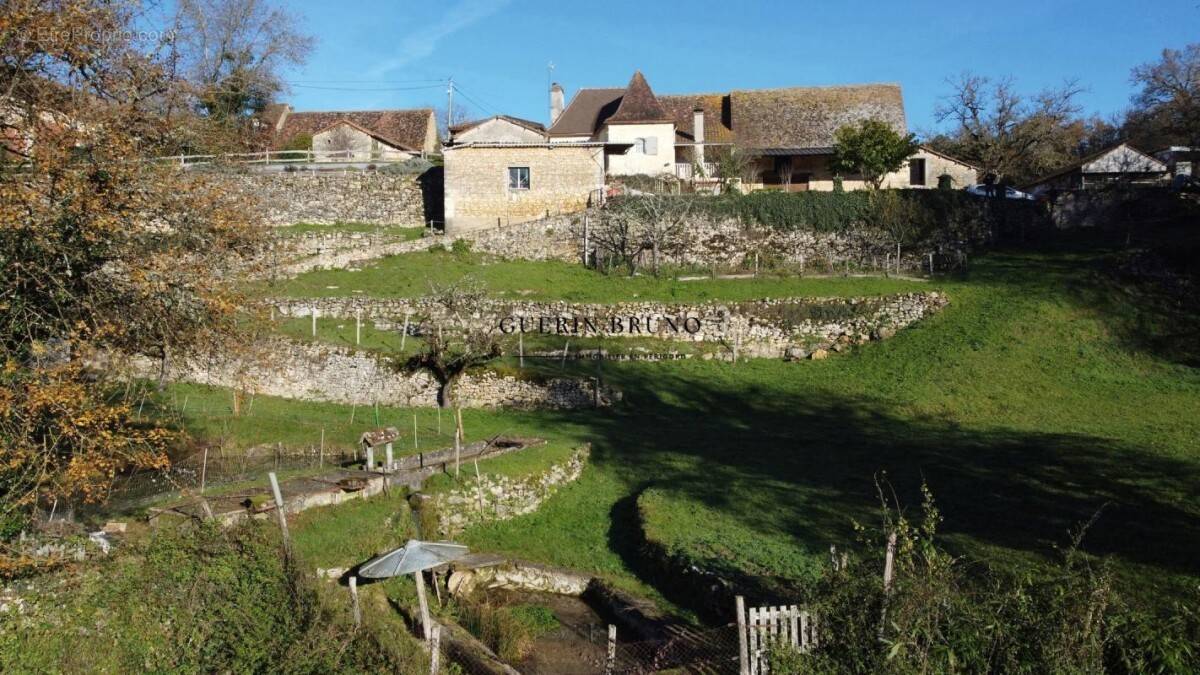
[490, 497]
[325, 373]
[349, 196]
[771, 328]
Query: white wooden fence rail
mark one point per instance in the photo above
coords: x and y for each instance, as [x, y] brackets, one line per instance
[782, 627]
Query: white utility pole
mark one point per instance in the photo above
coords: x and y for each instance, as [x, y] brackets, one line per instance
[450, 103]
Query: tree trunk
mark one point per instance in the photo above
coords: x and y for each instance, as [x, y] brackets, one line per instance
[164, 364]
[444, 391]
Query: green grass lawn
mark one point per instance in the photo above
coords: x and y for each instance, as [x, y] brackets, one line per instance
[1039, 396]
[409, 275]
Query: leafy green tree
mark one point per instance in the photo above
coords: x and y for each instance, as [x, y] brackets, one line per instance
[871, 149]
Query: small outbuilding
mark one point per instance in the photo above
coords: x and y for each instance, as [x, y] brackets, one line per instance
[1119, 164]
[375, 438]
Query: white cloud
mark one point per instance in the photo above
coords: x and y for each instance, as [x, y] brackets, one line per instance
[421, 42]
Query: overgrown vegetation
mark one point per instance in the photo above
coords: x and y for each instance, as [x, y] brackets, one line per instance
[199, 600]
[509, 630]
[944, 613]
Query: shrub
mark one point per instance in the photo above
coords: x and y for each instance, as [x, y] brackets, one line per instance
[510, 631]
[460, 247]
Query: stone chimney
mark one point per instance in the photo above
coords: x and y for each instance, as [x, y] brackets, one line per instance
[698, 134]
[556, 102]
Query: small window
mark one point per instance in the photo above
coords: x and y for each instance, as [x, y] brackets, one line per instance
[518, 178]
[916, 172]
[650, 145]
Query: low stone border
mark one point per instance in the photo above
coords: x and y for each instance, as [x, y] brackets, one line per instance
[493, 498]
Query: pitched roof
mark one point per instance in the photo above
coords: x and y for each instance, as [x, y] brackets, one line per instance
[587, 112]
[521, 122]
[638, 104]
[372, 134]
[408, 129]
[1151, 165]
[682, 108]
[809, 116]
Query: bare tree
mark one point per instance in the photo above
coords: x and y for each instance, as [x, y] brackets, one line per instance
[235, 52]
[1009, 135]
[1170, 91]
[647, 223]
[458, 344]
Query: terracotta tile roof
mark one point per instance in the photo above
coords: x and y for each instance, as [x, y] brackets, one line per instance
[638, 104]
[809, 116]
[408, 129]
[682, 107]
[793, 117]
[587, 112]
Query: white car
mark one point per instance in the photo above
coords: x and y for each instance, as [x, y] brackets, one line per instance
[985, 190]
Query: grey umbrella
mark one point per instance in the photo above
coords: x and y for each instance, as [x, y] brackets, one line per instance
[413, 558]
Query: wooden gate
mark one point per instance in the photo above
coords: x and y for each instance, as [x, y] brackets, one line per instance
[762, 628]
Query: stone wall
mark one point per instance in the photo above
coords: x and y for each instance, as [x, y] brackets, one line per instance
[323, 373]
[491, 498]
[705, 242]
[771, 328]
[347, 196]
[477, 195]
[293, 255]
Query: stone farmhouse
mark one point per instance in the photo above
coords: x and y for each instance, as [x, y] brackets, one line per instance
[354, 136]
[505, 170]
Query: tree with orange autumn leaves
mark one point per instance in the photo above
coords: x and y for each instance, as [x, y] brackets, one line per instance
[102, 250]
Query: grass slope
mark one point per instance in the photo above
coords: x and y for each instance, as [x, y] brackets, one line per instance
[409, 275]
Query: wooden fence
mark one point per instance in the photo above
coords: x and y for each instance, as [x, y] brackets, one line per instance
[763, 628]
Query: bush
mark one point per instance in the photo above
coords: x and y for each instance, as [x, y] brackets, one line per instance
[509, 631]
[195, 600]
[460, 247]
[940, 617]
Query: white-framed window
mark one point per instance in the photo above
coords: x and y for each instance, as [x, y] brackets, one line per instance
[518, 178]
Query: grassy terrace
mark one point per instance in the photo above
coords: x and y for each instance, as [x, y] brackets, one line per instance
[409, 275]
[1045, 392]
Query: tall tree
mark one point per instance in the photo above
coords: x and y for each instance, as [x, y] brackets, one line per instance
[101, 249]
[1011, 136]
[871, 149]
[235, 52]
[1170, 92]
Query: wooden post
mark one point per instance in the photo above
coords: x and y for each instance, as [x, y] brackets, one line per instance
[931, 263]
[354, 601]
[287, 543]
[610, 662]
[415, 444]
[889, 563]
[743, 646]
[888, 573]
[404, 332]
[566, 347]
[314, 321]
[420, 579]
[435, 650]
[521, 349]
[358, 327]
[321, 457]
[204, 470]
[458, 439]
[370, 459]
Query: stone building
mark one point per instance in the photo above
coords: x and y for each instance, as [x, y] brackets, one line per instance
[358, 135]
[494, 183]
[505, 170]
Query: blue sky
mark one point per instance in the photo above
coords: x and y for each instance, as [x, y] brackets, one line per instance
[498, 50]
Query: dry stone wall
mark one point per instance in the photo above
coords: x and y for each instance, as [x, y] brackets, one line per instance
[490, 498]
[772, 328]
[329, 197]
[339, 250]
[704, 242]
[322, 373]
